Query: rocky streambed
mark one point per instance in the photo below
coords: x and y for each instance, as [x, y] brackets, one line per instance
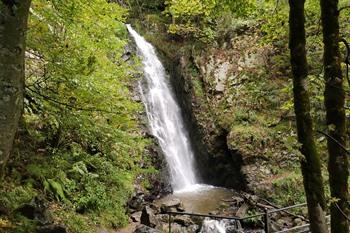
[153, 217]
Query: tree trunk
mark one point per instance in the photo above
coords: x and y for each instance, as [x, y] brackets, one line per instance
[13, 26]
[310, 164]
[335, 113]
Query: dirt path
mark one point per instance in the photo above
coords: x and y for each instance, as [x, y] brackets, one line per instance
[128, 229]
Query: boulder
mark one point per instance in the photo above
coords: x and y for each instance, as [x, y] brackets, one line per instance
[183, 220]
[163, 218]
[173, 204]
[177, 228]
[192, 228]
[145, 229]
[137, 201]
[136, 217]
[148, 217]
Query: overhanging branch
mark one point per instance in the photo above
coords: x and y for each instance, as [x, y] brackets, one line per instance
[47, 98]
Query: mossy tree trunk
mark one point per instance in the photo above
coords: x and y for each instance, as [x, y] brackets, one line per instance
[310, 164]
[338, 167]
[13, 26]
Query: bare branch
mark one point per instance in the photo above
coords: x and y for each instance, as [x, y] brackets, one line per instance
[334, 140]
[47, 98]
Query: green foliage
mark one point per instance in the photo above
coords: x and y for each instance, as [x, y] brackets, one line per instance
[150, 5]
[288, 193]
[249, 139]
[80, 144]
[56, 188]
[13, 196]
[200, 18]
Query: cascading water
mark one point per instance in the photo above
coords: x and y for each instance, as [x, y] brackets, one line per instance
[164, 117]
[167, 126]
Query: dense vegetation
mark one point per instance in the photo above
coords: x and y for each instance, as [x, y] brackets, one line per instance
[79, 143]
[80, 147]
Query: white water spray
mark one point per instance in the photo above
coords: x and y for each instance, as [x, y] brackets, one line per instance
[164, 117]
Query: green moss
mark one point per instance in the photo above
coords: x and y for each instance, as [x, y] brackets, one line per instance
[247, 138]
[289, 189]
[13, 194]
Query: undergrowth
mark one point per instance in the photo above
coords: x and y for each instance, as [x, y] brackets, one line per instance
[80, 146]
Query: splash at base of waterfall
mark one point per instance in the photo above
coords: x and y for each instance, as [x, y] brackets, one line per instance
[195, 188]
[221, 226]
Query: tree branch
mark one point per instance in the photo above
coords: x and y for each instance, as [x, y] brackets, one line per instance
[342, 212]
[47, 98]
[335, 141]
[343, 8]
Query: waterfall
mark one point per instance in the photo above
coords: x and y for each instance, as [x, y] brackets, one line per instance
[164, 116]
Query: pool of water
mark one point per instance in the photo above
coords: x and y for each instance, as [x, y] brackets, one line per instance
[199, 198]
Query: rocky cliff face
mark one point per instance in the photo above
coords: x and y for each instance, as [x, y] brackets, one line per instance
[219, 95]
[209, 85]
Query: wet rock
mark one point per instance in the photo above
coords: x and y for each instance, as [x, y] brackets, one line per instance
[241, 212]
[163, 218]
[225, 225]
[148, 217]
[160, 187]
[53, 228]
[128, 51]
[136, 217]
[180, 209]
[177, 228]
[146, 229]
[136, 98]
[137, 201]
[183, 220]
[212, 226]
[171, 205]
[232, 226]
[193, 228]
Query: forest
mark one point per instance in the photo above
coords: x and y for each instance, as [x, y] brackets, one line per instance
[198, 116]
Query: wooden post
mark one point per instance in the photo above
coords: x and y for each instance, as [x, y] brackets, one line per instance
[266, 221]
[169, 222]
